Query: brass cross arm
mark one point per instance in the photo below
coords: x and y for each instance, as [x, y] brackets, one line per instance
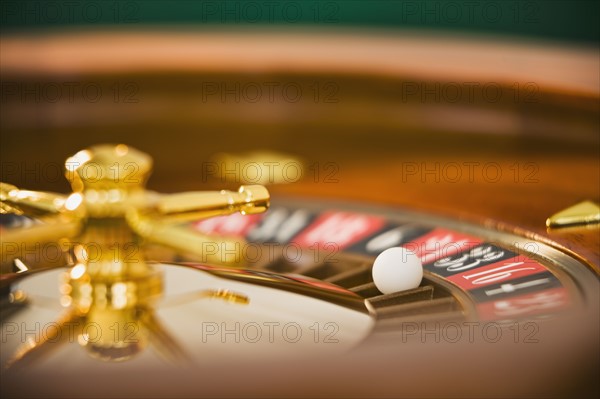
[108, 182]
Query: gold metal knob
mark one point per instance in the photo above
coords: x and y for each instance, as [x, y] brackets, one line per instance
[105, 167]
[108, 179]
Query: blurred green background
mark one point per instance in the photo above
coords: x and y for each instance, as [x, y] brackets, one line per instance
[574, 21]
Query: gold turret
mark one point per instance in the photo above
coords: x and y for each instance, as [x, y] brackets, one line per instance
[104, 224]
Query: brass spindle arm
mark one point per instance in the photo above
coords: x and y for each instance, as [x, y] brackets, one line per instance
[159, 223]
[31, 203]
[197, 205]
[59, 222]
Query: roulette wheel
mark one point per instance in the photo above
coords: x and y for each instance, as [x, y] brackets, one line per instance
[266, 289]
